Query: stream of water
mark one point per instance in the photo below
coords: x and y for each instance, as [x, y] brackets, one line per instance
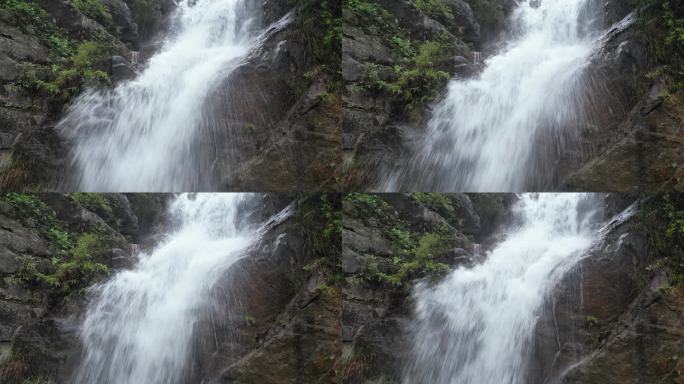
[139, 325]
[477, 325]
[143, 134]
[506, 129]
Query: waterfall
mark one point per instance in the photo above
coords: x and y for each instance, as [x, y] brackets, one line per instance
[476, 326]
[505, 130]
[139, 326]
[142, 135]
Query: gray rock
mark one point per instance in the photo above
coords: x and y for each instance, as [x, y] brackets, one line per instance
[122, 69]
[352, 70]
[465, 19]
[123, 19]
[359, 46]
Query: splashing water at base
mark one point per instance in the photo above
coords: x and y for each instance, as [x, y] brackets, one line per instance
[140, 323]
[476, 326]
[504, 130]
[141, 135]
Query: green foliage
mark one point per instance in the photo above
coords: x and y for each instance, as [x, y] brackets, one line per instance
[437, 10]
[318, 219]
[35, 214]
[93, 201]
[592, 320]
[433, 244]
[68, 274]
[368, 204]
[437, 202]
[64, 80]
[74, 63]
[415, 261]
[94, 9]
[35, 20]
[662, 22]
[662, 220]
[401, 238]
[316, 17]
[333, 218]
[74, 265]
[416, 82]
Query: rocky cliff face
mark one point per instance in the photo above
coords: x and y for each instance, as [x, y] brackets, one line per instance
[617, 317]
[275, 314]
[635, 92]
[278, 115]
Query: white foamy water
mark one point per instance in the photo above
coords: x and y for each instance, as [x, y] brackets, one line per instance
[477, 325]
[504, 130]
[139, 325]
[141, 136]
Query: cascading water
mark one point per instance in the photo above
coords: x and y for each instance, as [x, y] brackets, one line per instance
[141, 135]
[476, 326]
[139, 326]
[504, 130]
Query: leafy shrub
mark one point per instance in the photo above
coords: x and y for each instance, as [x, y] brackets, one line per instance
[35, 214]
[68, 274]
[662, 22]
[36, 21]
[64, 80]
[662, 220]
[93, 201]
[368, 204]
[437, 10]
[94, 9]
